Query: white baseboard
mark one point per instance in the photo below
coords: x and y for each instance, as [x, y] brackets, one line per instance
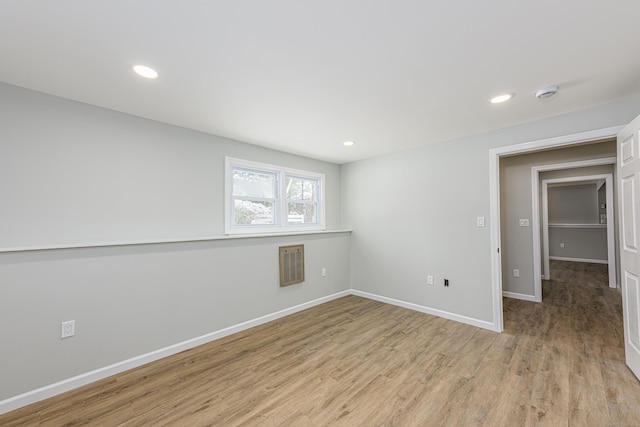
[60, 387]
[593, 261]
[435, 312]
[516, 295]
[63, 386]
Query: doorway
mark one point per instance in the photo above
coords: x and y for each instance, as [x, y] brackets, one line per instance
[594, 237]
[495, 208]
[590, 231]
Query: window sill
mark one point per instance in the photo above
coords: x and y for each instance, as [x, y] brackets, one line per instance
[164, 241]
[578, 225]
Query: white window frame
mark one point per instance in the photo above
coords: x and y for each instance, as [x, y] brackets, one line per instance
[280, 206]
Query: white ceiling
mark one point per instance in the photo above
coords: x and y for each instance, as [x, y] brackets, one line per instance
[302, 76]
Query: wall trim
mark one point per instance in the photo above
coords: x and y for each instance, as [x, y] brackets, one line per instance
[592, 261]
[167, 241]
[68, 384]
[516, 295]
[427, 310]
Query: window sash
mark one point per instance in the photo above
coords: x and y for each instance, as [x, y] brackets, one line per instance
[257, 216]
[306, 214]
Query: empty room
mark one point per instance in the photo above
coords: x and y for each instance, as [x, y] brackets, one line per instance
[285, 213]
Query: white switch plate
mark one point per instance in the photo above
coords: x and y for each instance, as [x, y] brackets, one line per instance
[516, 272]
[561, 245]
[68, 329]
[324, 272]
[430, 280]
[480, 221]
[524, 222]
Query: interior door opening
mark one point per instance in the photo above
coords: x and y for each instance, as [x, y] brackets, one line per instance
[496, 156]
[592, 233]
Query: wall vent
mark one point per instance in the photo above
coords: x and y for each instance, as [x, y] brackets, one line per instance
[291, 265]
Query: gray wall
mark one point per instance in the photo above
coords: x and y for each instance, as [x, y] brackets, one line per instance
[579, 243]
[573, 204]
[70, 173]
[74, 173]
[602, 201]
[414, 213]
[577, 205]
[516, 202]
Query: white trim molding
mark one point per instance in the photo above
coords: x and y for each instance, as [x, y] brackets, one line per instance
[516, 295]
[577, 225]
[60, 387]
[165, 241]
[592, 261]
[427, 310]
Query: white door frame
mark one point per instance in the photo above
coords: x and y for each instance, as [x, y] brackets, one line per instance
[539, 257]
[610, 225]
[494, 199]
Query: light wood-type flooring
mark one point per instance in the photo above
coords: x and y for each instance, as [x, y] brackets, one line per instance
[356, 362]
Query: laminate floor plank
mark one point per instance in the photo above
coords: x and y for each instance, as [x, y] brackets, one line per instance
[358, 362]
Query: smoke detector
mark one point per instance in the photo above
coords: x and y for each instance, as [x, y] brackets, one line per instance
[547, 92]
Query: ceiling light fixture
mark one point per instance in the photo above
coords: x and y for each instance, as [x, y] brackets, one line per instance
[146, 72]
[501, 98]
[547, 92]
[349, 143]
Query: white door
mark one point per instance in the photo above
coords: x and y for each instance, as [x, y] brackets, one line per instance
[629, 210]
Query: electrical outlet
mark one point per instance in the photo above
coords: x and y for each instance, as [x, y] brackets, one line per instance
[516, 272]
[68, 329]
[323, 272]
[446, 283]
[430, 280]
[524, 222]
[561, 245]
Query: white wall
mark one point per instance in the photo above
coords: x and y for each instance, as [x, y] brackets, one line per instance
[70, 172]
[414, 213]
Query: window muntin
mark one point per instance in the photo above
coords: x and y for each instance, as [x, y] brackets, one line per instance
[262, 198]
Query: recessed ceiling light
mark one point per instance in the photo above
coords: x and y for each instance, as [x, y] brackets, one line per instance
[349, 143]
[501, 98]
[146, 72]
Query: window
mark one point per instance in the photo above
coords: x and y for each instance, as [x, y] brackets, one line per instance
[263, 198]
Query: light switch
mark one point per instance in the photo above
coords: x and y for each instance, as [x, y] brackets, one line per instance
[524, 222]
[480, 221]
